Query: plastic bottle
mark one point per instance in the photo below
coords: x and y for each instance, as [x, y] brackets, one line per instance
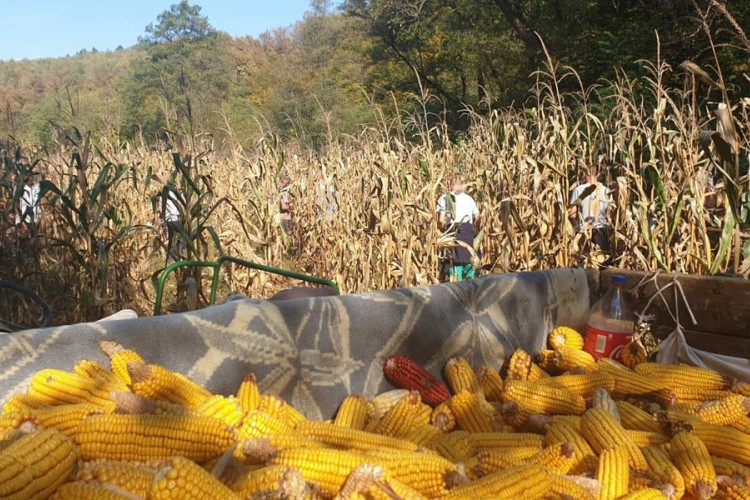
[610, 322]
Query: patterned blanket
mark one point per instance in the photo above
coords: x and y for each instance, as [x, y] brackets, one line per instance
[315, 351]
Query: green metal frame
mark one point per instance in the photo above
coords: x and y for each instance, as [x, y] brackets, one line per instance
[217, 268]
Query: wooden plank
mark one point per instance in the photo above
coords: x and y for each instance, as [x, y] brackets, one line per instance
[721, 305]
[710, 342]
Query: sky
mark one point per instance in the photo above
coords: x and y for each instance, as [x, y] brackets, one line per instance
[33, 29]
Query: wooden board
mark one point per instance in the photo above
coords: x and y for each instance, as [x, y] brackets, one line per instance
[720, 305]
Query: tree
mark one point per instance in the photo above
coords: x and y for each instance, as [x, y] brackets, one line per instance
[181, 22]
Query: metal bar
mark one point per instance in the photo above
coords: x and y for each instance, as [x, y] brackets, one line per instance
[282, 272]
[183, 263]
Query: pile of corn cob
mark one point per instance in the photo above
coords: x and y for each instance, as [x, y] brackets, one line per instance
[560, 425]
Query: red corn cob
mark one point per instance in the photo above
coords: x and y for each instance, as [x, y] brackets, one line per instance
[407, 374]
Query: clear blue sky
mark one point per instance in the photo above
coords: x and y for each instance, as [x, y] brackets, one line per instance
[33, 29]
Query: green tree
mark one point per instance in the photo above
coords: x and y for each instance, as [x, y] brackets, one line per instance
[181, 22]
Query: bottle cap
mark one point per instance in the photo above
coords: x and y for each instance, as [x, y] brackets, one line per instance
[619, 279]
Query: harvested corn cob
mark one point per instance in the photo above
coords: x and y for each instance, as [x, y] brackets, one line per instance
[563, 487]
[287, 482]
[543, 399]
[405, 373]
[603, 400]
[469, 415]
[460, 377]
[479, 441]
[584, 384]
[56, 387]
[742, 424]
[568, 358]
[408, 413]
[226, 409]
[133, 404]
[385, 401]
[277, 407]
[77, 490]
[455, 446]
[183, 479]
[694, 463]
[260, 450]
[92, 369]
[628, 382]
[258, 424]
[738, 472]
[644, 494]
[119, 357]
[488, 462]
[428, 473]
[636, 419]
[423, 435]
[130, 477]
[613, 473]
[585, 460]
[558, 458]
[325, 468]
[34, 465]
[443, 418]
[602, 432]
[646, 438]
[22, 402]
[491, 383]
[724, 411]
[698, 395]
[353, 413]
[520, 366]
[565, 336]
[248, 393]
[148, 437]
[545, 359]
[156, 382]
[64, 418]
[732, 491]
[676, 376]
[634, 353]
[723, 442]
[349, 438]
[526, 481]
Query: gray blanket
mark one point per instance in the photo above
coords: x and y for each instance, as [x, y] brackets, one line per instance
[313, 352]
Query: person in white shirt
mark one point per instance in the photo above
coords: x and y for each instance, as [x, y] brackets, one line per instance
[590, 204]
[458, 213]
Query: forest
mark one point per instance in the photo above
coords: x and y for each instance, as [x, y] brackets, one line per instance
[383, 99]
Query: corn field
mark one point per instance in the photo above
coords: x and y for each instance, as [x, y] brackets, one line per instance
[100, 242]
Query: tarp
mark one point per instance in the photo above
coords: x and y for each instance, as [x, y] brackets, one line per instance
[315, 351]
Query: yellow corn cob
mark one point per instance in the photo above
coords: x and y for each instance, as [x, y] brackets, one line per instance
[731, 491]
[565, 336]
[644, 494]
[634, 353]
[272, 480]
[226, 409]
[148, 437]
[741, 388]
[573, 420]
[646, 438]
[408, 413]
[389, 488]
[738, 472]
[133, 404]
[343, 437]
[491, 382]
[33, 466]
[258, 424]
[277, 407]
[613, 473]
[520, 366]
[584, 384]
[628, 382]
[633, 418]
[742, 424]
[603, 400]
[602, 431]
[325, 468]
[568, 358]
[696, 396]
[423, 435]
[676, 376]
[83, 491]
[724, 411]
[469, 414]
[443, 418]
[360, 481]
[724, 442]
[385, 401]
[642, 479]
[248, 393]
[119, 357]
[691, 457]
[585, 460]
[514, 415]
[526, 481]
[489, 462]
[156, 382]
[460, 377]
[455, 446]
[64, 418]
[353, 413]
[260, 450]
[558, 458]
[480, 441]
[130, 477]
[183, 479]
[57, 387]
[545, 359]
[543, 399]
[428, 473]
[92, 369]
[562, 487]
[22, 402]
